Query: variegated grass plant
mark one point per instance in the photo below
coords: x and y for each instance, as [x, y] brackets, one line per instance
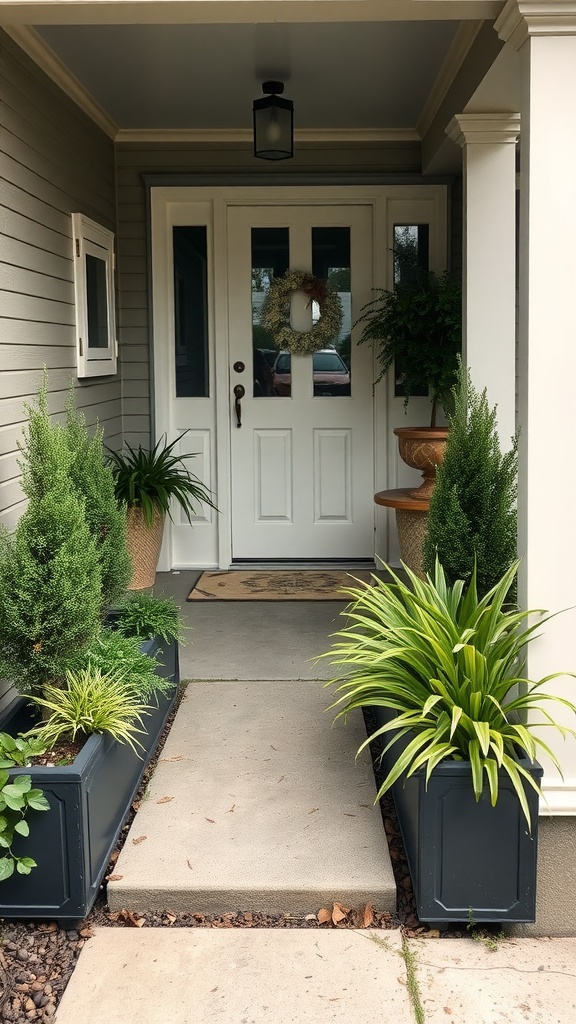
[91, 702]
[452, 668]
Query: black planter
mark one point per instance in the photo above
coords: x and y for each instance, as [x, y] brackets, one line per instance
[89, 800]
[468, 861]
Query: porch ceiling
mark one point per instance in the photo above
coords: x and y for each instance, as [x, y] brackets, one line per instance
[379, 76]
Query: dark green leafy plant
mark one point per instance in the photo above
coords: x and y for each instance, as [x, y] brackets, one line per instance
[451, 667]
[472, 516]
[146, 616]
[91, 702]
[149, 479]
[112, 652]
[418, 328]
[17, 797]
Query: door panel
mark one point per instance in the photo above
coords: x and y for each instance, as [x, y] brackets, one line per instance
[302, 459]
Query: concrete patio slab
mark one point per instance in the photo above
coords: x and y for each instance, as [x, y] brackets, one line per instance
[272, 976]
[252, 639]
[522, 980]
[257, 804]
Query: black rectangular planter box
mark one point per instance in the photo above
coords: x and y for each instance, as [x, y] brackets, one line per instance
[468, 861]
[89, 800]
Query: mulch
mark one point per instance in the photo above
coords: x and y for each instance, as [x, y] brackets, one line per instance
[37, 958]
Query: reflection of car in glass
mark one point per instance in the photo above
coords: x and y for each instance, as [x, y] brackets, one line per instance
[330, 374]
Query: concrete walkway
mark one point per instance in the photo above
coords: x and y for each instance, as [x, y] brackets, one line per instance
[257, 803]
[277, 976]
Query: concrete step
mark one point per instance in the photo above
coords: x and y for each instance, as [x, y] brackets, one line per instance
[257, 804]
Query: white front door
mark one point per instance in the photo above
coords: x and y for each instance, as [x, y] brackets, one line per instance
[302, 461]
[296, 480]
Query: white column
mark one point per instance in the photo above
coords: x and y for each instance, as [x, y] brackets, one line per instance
[489, 272]
[545, 35]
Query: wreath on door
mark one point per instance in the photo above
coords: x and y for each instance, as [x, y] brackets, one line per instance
[276, 312]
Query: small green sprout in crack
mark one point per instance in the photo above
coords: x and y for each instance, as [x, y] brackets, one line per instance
[491, 940]
[410, 962]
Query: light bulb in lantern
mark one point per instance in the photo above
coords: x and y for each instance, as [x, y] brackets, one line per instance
[273, 130]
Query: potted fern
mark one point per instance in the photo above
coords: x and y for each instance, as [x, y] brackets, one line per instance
[444, 670]
[147, 481]
[416, 329]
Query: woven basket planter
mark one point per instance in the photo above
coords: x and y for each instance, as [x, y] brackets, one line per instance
[144, 543]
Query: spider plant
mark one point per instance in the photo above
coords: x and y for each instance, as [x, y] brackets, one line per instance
[150, 478]
[92, 702]
[451, 667]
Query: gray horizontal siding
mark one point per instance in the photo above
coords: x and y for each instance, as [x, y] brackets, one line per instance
[53, 161]
[133, 160]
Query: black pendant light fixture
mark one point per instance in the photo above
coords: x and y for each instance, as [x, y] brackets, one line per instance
[273, 124]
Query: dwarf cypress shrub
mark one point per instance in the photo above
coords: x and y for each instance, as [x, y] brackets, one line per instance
[50, 447]
[472, 516]
[92, 478]
[50, 585]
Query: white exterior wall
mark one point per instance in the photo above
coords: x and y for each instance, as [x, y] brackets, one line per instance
[547, 356]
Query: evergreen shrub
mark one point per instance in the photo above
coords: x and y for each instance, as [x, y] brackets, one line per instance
[472, 517]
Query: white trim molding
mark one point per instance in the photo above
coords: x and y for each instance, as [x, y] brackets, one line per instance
[465, 129]
[215, 135]
[523, 18]
[459, 49]
[31, 42]
[559, 798]
[182, 12]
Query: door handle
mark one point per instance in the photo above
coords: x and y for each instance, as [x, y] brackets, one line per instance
[239, 393]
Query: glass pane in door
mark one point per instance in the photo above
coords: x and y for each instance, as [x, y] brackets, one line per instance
[331, 366]
[270, 259]
[191, 311]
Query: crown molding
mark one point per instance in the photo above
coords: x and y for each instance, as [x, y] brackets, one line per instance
[465, 129]
[465, 35]
[523, 18]
[234, 135]
[32, 44]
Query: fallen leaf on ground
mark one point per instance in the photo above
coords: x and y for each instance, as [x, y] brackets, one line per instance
[129, 918]
[86, 933]
[165, 800]
[170, 917]
[324, 916]
[139, 840]
[339, 913]
[211, 820]
[363, 917]
[189, 865]
[230, 809]
[114, 878]
[313, 811]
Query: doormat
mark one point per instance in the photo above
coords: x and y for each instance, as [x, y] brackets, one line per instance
[275, 585]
